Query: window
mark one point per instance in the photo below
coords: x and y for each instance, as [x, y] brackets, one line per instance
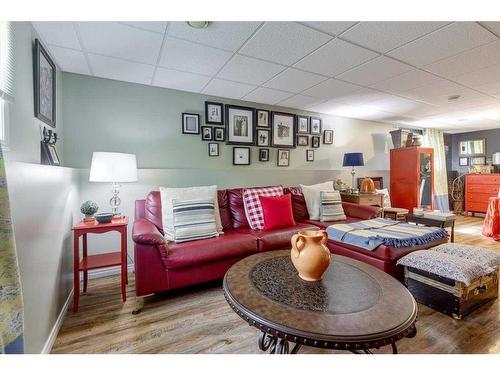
[6, 79]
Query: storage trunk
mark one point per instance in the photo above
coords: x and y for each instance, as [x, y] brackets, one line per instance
[448, 296]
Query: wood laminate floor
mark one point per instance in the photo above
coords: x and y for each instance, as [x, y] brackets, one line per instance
[198, 320]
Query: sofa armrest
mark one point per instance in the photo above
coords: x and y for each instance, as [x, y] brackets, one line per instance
[146, 233]
[361, 211]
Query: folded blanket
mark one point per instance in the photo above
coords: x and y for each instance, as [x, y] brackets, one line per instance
[369, 234]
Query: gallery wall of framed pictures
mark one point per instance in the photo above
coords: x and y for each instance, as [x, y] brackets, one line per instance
[246, 127]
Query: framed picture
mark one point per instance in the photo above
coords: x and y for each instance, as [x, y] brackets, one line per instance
[309, 155]
[302, 140]
[315, 141]
[214, 113]
[263, 138]
[190, 123]
[315, 125]
[463, 161]
[213, 149]
[302, 125]
[263, 154]
[220, 134]
[283, 130]
[283, 158]
[475, 147]
[240, 123]
[49, 154]
[44, 85]
[478, 160]
[328, 137]
[241, 155]
[263, 118]
[207, 133]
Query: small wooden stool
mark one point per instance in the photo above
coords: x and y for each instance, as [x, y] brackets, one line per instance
[398, 214]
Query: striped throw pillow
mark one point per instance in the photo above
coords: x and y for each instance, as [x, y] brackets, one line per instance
[330, 208]
[194, 220]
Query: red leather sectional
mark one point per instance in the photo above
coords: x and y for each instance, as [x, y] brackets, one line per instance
[160, 266]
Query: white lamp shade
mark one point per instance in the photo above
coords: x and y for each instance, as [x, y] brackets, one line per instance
[113, 167]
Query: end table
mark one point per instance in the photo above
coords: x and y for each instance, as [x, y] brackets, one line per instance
[92, 262]
[447, 223]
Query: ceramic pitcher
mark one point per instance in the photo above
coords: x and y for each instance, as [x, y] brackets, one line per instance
[309, 254]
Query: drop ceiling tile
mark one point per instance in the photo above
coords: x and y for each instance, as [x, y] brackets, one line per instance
[440, 87]
[267, 96]
[361, 96]
[157, 27]
[385, 36]
[493, 26]
[284, 42]
[294, 80]
[374, 71]
[492, 88]
[109, 67]
[225, 35]
[480, 77]
[329, 27]
[331, 88]
[335, 57]
[393, 104]
[407, 81]
[443, 43]
[248, 70]
[70, 60]
[299, 101]
[191, 57]
[121, 41]
[174, 79]
[60, 34]
[227, 89]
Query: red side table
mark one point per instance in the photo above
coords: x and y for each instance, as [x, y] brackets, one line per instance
[92, 262]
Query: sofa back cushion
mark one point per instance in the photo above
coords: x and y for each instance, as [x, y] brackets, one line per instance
[225, 213]
[298, 203]
[237, 208]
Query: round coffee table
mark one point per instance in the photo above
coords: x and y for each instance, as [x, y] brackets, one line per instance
[355, 307]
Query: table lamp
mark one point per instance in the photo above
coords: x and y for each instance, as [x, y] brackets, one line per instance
[353, 159]
[113, 167]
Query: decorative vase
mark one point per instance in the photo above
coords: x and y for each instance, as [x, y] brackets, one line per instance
[309, 254]
[367, 185]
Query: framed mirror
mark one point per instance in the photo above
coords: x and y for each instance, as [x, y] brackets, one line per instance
[472, 147]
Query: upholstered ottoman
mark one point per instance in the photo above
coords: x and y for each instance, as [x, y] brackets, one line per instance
[454, 279]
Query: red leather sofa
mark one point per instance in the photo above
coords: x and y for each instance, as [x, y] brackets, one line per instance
[160, 266]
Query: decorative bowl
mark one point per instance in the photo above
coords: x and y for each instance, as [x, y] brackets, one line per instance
[104, 217]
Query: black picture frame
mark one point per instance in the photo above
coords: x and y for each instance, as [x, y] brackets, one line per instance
[300, 125]
[302, 140]
[247, 150]
[463, 161]
[315, 141]
[275, 132]
[49, 154]
[258, 138]
[219, 134]
[266, 114]
[207, 133]
[283, 162]
[315, 130]
[43, 77]
[309, 155]
[184, 117]
[325, 140]
[264, 154]
[210, 145]
[208, 115]
[251, 125]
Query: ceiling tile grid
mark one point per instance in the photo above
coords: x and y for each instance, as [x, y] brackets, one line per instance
[395, 72]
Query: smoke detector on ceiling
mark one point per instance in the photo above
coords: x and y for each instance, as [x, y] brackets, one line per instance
[198, 24]
[452, 98]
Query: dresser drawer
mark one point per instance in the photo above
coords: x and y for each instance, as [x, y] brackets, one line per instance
[483, 189]
[483, 179]
[479, 198]
[370, 201]
[476, 207]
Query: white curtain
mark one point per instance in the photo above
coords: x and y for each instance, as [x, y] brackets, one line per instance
[434, 138]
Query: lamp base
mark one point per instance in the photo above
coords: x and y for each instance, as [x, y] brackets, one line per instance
[115, 199]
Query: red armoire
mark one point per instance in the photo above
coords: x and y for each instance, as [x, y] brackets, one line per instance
[412, 177]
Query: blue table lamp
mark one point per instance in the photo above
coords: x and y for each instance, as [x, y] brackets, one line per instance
[353, 159]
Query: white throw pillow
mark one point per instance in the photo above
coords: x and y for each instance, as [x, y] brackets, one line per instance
[387, 197]
[168, 195]
[312, 197]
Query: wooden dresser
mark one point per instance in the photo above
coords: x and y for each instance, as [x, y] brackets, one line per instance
[364, 198]
[478, 189]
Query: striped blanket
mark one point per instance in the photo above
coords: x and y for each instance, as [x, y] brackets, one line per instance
[369, 234]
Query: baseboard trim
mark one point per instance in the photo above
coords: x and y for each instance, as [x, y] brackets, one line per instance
[57, 325]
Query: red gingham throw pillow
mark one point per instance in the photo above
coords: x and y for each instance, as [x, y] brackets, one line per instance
[253, 208]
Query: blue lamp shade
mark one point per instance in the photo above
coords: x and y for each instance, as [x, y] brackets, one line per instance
[353, 159]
